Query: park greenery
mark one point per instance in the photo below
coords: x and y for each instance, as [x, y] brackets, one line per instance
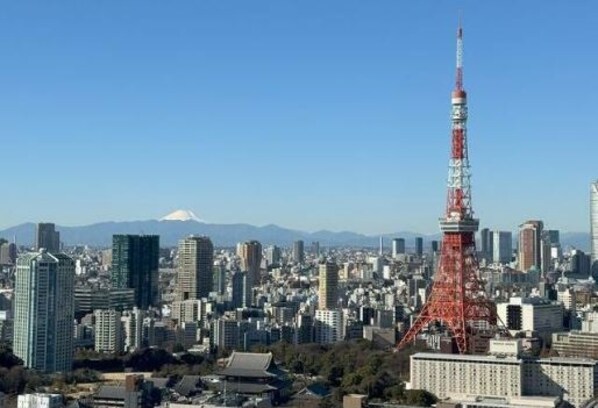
[355, 367]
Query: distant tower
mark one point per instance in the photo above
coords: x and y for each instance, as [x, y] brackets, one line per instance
[594, 225]
[398, 247]
[195, 275]
[503, 247]
[419, 246]
[328, 290]
[44, 311]
[381, 250]
[458, 299]
[135, 260]
[251, 260]
[47, 237]
[530, 245]
[298, 252]
[486, 238]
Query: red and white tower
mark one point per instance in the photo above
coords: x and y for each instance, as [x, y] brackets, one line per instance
[458, 300]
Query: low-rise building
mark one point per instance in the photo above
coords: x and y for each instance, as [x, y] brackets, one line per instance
[40, 401]
[504, 373]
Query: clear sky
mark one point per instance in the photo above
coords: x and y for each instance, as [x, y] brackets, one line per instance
[308, 114]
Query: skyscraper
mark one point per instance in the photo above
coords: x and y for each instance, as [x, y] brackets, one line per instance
[398, 247]
[135, 266]
[273, 255]
[530, 245]
[487, 245]
[328, 291]
[315, 248]
[503, 246]
[44, 311]
[419, 246]
[298, 252]
[594, 225]
[47, 237]
[195, 275]
[242, 292]
[251, 260]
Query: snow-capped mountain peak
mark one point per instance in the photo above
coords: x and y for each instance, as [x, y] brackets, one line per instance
[181, 215]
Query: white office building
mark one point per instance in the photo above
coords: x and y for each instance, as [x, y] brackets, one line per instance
[531, 315]
[328, 326]
[40, 401]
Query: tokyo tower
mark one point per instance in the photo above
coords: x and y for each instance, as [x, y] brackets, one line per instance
[457, 300]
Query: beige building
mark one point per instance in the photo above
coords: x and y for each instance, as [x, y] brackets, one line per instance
[576, 344]
[195, 275]
[328, 290]
[504, 374]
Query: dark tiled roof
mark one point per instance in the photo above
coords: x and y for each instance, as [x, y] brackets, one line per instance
[188, 385]
[251, 365]
[110, 392]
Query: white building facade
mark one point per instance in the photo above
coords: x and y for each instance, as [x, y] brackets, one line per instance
[44, 311]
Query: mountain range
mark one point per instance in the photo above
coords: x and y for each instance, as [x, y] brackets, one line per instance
[227, 235]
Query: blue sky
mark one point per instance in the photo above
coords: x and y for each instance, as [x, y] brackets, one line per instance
[308, 114]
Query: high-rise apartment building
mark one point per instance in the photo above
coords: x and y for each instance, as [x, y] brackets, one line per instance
[594, 226]
[251, 260]
[44, 311]
[503, 247]
[298, 252]
[328, 290]
[108, 331]
[135, 260]
[530, 245]
[195, 274]
[47, 237]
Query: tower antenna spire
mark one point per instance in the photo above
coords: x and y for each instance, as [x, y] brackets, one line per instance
[459, 73]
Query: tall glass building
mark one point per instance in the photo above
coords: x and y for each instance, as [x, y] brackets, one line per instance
[135, 261]
[44, 311]
[594, 225]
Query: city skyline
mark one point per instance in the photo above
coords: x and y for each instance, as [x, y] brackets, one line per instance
[338, 110]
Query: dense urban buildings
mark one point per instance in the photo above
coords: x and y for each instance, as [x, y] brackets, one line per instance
[44, 311]
[195, 276]
[135, 266]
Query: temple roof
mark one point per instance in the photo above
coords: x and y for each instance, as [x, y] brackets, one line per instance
[251, 365]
